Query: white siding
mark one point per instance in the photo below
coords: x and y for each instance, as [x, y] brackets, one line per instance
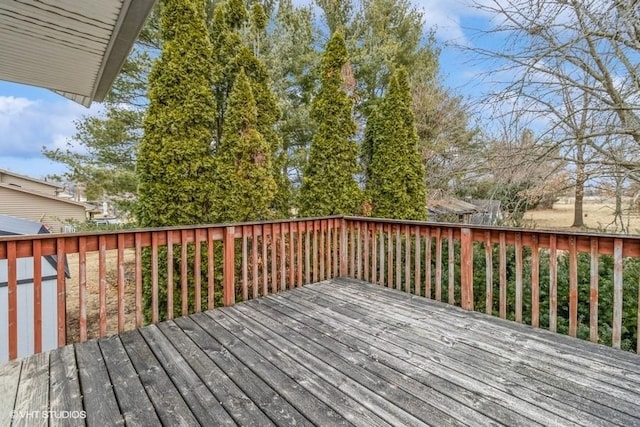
[51, 212]
[29, 184]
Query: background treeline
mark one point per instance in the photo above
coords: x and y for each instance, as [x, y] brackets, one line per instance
[280, 48]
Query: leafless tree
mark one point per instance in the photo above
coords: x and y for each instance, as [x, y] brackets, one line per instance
[588, 45]
[570, 66]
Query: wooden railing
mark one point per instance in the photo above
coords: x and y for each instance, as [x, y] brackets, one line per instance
[125, 279]
[582, 284]
[193, 268]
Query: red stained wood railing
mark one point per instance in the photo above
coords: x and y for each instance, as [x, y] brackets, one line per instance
[122, 280]
[119, 276]
[415, 259]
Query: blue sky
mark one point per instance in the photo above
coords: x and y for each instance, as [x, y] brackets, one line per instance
[32, 118]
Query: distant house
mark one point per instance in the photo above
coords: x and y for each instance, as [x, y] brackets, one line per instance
[28, 183]
[25, 295]
[46, 208]
[452, 210]
[491, 212]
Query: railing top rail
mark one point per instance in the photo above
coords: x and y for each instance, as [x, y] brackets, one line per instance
[16, 237]
[455, 225]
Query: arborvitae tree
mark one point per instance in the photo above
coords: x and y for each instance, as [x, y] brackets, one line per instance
[244, 183]
[174, 164]
[329, 186]
[174, 161]
[233, 53]
[396, 185]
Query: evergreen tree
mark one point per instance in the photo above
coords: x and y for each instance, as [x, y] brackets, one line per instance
[396, 185]
[293, 61]
[244, 183]
[329, 186]
[174, 161]
[232, 24]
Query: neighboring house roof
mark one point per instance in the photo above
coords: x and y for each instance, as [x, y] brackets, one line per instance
[73, 47]
[28, 178]
[11, 226]
[46, 196]
[451, 206]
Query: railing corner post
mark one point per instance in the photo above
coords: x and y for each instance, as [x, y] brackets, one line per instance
[228, 269]
[466, 268]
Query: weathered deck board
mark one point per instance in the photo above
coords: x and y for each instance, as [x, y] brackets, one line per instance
[202, 403]
[268, 400]
[290, 389]
[531, 376]
[356, 393]
[504, 339]
[33, 392]
[135, 406]
[238, 405]
[169, 404]
[544, 392]
[9, 380]
[64, 390]
[340, 352]
[96, 387]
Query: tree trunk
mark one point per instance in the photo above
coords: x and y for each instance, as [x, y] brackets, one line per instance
[581, 178]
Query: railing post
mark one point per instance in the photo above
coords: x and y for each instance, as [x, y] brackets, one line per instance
[12, 295]
[466, 268]
[228, 270]
[61, 291]
[343, 248]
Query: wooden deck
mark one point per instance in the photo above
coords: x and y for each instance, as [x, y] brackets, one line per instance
[340, 352]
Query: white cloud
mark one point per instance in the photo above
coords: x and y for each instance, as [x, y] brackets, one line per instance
[27, 125]
[12, 105]
[447, 17]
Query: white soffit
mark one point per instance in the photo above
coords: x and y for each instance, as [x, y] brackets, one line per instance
[74, 47]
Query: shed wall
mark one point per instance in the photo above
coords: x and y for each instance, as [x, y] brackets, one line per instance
[25, 308]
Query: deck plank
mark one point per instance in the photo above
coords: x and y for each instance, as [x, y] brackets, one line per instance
[292, 336]
[355, 394]
[9, 381]
[501, 331]
[520, 361]
[135, 406]
[98, 397]
[32, 400]
[202, 403]
[295, 393]
[510, 341]
[279, 410]
[343, 315]
[353, 351]
[401, 361]
[564, 394]
[64, 388]
[169, 405]
[243, 410]
[550, 383]
[556, 344]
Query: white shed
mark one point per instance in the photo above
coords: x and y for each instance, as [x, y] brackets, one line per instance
[16, 226]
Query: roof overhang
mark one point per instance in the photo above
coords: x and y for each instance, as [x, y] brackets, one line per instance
[73, 47]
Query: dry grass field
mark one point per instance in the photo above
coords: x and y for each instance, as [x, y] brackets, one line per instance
[598, 216]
